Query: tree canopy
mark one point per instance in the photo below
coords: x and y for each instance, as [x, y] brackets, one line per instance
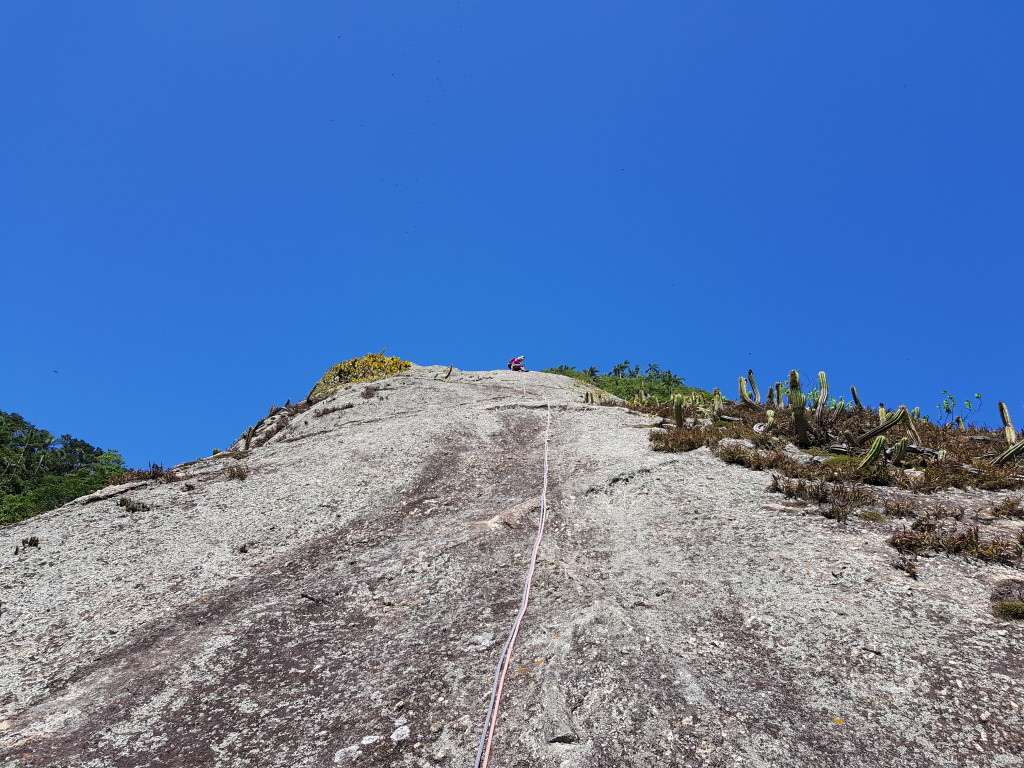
[39, 471]
[625, 380]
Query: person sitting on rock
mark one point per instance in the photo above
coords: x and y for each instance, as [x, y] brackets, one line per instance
[517, 364]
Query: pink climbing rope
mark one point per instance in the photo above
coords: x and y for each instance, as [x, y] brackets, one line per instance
[483, 752]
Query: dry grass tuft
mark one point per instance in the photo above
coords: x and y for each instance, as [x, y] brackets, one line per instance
[155, 472]
[238, 472]
[954, 537]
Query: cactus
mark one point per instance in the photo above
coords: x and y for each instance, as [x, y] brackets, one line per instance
[856, 400]
[677, 409]
[249, 434]
[891, 420]
[960, 423]
[822, 397]
[882, 413]
[916, 413]
[899, 449]
[770, 417]
[717, 402]
[778, 393]
[770, 400]
[796, 400]
[744, 395]
[848, 438]
[908, 422]
[874, 452]
[1011, 433]
[1013, 452]
[753, 387]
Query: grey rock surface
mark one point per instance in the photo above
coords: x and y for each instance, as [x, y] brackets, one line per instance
[346, 601]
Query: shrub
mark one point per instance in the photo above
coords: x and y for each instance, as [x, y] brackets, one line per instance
[132, 505]
[1008, 599]
[950, 537]
[897, 508]
[683, 439]
[359, 369]
[1008, 507]
[1010, 610]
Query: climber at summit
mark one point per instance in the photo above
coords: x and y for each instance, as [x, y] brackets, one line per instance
[517, 364]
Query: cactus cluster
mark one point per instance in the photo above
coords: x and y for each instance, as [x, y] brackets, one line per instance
[815, 426]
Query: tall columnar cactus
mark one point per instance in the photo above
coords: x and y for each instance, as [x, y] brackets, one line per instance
[717, 402]
[882, 414]
[899, 448]
[856, 400]
[822, 397]
[916, 413]
[677, 408]
[778, 394]
[797, 400]
[794, 384]
[908, 422]
[1011, 433]
[744, 394]
[769, 401]
[753, 386]
[874, 452]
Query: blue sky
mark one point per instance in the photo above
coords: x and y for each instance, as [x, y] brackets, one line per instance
[205, 205]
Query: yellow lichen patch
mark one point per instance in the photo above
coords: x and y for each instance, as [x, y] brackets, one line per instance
[359, 369]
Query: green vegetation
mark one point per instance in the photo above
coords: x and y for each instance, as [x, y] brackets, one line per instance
[370, 367]
[849, 450]
[1009, 610]
[39, 472]
[632, 383]
[937, 456]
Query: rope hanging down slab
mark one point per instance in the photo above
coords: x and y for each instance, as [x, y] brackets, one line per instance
[483, 752]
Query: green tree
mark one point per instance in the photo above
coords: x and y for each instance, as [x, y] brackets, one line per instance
[619, 370]
[39, 472]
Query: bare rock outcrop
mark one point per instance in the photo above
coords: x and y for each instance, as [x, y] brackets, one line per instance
[339, 596]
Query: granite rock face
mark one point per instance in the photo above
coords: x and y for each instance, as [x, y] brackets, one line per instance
[341, 596]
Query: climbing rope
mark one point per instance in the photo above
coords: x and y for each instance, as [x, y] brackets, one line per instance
[483, 752]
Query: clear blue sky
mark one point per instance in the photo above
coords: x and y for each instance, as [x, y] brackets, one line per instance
[204, 205]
